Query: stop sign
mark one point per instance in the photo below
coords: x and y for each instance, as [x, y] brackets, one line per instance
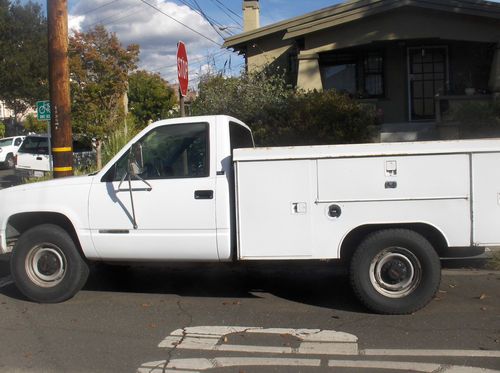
[182, 68]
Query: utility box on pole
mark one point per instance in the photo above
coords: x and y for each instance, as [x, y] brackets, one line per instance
[60, 122]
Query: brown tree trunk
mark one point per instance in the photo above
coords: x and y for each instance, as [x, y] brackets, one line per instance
[98, 151]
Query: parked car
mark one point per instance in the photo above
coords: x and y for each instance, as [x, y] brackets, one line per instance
[8, 150]
[33, 159]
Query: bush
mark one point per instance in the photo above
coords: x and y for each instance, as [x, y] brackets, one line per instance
[494, 262]
[477, 118]
[118, 139]
[282, 116]
[319, 118]
[2, 129]
[32, 124]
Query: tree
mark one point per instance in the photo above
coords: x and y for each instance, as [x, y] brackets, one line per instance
[23, 55]
[99, 70]
[258, 99]
[32, 124]
[150, 97]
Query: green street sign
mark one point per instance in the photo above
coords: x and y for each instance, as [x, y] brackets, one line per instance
[43, 110]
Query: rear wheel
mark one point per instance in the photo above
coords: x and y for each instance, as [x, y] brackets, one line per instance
[395, 271]
[46, 265]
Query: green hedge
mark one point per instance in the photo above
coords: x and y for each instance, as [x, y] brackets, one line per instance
[282, 116]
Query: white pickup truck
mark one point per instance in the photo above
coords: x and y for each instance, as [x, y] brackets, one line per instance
[196, 189]
[8, 150]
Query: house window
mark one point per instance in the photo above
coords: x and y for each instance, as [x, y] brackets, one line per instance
[359, 74]
[342, 78]
[373, 69]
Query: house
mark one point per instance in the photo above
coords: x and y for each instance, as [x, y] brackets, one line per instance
[411, 59]
[5, 112]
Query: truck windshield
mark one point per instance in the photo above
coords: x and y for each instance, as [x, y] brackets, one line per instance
[5, 142]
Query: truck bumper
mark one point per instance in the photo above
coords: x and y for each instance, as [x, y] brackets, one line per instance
[24, 173]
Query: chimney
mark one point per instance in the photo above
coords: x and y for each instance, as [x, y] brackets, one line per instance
[251, 15]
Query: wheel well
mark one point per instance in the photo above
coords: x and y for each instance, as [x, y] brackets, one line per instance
[20, 223]
[354, 238]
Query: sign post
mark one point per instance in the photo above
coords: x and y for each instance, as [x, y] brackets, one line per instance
[182, 74]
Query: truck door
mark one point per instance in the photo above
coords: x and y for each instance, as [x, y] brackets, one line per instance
[175, 216]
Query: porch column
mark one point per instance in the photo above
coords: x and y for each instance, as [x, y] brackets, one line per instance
[309, 77]
[495, 72]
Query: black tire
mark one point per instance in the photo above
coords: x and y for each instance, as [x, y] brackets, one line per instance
[46, 265]
[395, 271]
[9, 161]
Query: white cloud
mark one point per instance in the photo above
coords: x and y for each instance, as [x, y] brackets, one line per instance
[136, 23]
[75, 22]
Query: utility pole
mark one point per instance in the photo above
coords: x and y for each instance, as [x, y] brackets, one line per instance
[60, 105]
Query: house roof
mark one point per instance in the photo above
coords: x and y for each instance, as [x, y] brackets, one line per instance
[357, 9]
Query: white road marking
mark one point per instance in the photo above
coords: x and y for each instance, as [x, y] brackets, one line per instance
[313, 341]
[441, 353]
[407, 366]
[6, 281]
[200, 364]
[197, 365]
[310, 342]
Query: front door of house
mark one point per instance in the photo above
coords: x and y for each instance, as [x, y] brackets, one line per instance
[428, 69]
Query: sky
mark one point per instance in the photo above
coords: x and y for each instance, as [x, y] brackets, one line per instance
[157, 35]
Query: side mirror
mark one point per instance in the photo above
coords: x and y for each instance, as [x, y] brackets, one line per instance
[135, 160]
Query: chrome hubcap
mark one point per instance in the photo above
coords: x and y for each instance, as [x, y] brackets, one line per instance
[395, 272]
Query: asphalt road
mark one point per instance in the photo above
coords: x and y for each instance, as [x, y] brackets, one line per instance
[118, 321]
[7, 178]
[261, 317]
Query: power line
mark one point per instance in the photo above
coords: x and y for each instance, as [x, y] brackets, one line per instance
[114, 17]
[99, 7]
[122, 18]
[216, 54]
[179, 22]
[199, 11]
[193, 8]
[229, 9]
[226, 13]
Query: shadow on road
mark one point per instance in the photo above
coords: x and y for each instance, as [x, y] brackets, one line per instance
[323, 284]
[318, 284]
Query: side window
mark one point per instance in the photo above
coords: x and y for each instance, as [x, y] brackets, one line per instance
[170, 152]
[18, 141]
[240, 137]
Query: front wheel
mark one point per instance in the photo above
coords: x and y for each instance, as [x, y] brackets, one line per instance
[395, 271]
[9, 161]
[46, 265]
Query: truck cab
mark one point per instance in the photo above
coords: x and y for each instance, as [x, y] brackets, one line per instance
[181, 194]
